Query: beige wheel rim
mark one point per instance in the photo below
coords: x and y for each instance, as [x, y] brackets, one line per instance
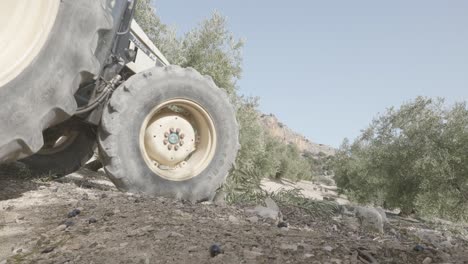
[25, 26]
[178, 139]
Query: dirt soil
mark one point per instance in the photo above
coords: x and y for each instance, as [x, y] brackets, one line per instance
[116, 227]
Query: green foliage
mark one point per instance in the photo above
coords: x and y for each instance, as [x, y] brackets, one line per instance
[209, 48]
[294, 198]
[162, 35]
[415, 157]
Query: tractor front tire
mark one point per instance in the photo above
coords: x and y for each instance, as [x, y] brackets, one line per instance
[169, 131]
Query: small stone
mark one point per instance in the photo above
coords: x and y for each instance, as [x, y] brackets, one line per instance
[233, 220]
[54, 189]
[147, 229]
[418, 248]
[328, 248]
[133, 233]
[42, 187]
[192, 249]
[20, 218]
[445, 245]
[215, 250]
[122, 245]
[282, 225]
[75, 246]
[61, 227]
[92, 220]
[69, 223]
[336, 261]
[253, 219]
[103, 195]
[370, 219]
[427, 260]
[74, 213]
[264, 212]
[47, 250]
[175, 234]
[309, 255]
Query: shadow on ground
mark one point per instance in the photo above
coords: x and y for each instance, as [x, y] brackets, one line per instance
[16, 179]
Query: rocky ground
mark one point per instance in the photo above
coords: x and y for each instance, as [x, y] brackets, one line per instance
[82, 219]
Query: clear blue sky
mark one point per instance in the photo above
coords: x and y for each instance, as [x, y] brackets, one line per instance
[326, 68]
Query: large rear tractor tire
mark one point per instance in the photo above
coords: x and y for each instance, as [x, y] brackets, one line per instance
[170, 132]
[67, 148]
[47, 49]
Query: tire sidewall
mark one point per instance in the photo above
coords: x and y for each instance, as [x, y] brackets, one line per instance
[153, 93]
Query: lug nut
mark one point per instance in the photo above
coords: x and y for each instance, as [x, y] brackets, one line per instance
[182, 136]
[166, 135]
[178, 130]
[165, 142]
[176, 148]
[172, 130]
[181, 143]
[169, 147]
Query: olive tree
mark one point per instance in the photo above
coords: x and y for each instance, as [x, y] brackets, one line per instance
[412, 158]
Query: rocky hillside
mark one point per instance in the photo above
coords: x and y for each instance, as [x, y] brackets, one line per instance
[285, 134]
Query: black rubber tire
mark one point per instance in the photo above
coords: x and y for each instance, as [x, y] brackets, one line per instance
[118, 136]
[69, 159]
[43, 94]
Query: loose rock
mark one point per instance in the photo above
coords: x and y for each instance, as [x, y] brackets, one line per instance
[74, 213]
[327, 248]
[233, 219]
[282, 225]
[92, 220]
[215, 250]
[271, 204]
[418, 248]
[47, 250]
[61, 227]
[264, 212]
[253, 219]
[370, 219]
[427, 260]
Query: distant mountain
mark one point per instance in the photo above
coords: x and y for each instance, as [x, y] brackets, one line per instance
[286, 135]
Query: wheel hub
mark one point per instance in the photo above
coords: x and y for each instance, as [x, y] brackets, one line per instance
[163, 139]
[174, 138]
